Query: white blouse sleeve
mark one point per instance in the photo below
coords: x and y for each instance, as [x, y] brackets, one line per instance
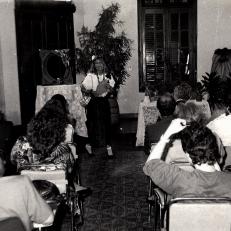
[112, 82]
[88, 82]
[69, 133]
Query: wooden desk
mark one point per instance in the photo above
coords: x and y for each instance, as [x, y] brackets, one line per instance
[73, 94]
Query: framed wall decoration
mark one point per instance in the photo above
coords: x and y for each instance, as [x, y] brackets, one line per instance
[56, 67]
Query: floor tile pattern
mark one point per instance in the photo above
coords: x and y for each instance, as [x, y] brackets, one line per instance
[118, 201]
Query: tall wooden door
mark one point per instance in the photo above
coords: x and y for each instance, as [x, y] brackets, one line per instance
[39, 25]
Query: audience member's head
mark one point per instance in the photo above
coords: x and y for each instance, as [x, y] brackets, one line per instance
[190, 112]
[163, 88]
[166, 104]
[221, 62]
[200, 143]
[98, 64]
[58, 103]
[182, 92]
[218, 93]
[47, 129]
[196, 93]
[2, 163]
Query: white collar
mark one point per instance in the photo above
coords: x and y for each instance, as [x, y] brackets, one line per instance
[208, 168]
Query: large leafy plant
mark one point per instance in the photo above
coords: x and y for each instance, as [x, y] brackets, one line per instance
[103, 41]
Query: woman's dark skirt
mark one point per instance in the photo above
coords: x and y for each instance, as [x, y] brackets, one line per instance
[99, 122]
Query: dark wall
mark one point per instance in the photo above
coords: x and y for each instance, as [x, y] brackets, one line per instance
[39, 25]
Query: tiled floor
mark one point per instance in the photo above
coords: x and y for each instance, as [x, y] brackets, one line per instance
[119, 194]
[118, 201]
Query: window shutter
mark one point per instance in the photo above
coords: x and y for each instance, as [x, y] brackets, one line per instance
[154, 46]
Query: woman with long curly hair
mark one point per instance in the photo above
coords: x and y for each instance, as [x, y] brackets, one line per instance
[47, 138]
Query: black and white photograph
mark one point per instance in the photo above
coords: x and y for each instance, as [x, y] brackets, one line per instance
[115, 115]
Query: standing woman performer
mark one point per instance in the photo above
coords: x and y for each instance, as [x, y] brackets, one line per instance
[99, 84]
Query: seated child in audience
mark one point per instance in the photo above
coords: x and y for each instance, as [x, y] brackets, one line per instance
[200, 146]
[182, 92]
[48, 136]
[19, 198]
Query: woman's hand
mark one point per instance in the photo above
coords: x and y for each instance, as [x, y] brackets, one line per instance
[176, 126]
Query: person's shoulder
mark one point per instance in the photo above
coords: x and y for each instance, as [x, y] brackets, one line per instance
[61, 148]
[91, 75]
[214, 121]
[16, 179]
[161, 124]
[150, 127]
[159, 167]
[166, 120]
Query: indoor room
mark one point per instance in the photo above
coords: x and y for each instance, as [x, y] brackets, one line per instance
[114, 115]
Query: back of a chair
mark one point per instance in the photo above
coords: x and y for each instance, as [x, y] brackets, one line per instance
[228, 156]
[199, 214]
[58, 177]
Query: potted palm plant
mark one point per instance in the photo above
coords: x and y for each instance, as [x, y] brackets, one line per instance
[105, 42]
[215, 88]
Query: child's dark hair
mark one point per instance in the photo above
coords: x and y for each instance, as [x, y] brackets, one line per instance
[200, 143]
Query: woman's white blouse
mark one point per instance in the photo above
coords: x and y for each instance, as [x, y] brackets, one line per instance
[91, 81]
[69, 133]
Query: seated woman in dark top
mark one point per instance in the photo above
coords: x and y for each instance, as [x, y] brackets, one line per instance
[200, 146]
[47, 138]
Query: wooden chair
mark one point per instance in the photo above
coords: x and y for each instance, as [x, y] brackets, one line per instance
[194, 214]
[191, 214]
[158, 199]
[227, 162]
[69, 191]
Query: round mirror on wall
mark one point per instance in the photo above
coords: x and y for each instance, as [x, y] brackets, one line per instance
[56, 67]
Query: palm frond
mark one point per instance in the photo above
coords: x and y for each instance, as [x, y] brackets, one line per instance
[103, 41]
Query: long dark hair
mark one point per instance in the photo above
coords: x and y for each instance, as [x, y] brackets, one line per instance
[58, 102]
[47, 129]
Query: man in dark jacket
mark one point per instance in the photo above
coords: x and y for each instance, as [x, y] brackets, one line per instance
[166, 105]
